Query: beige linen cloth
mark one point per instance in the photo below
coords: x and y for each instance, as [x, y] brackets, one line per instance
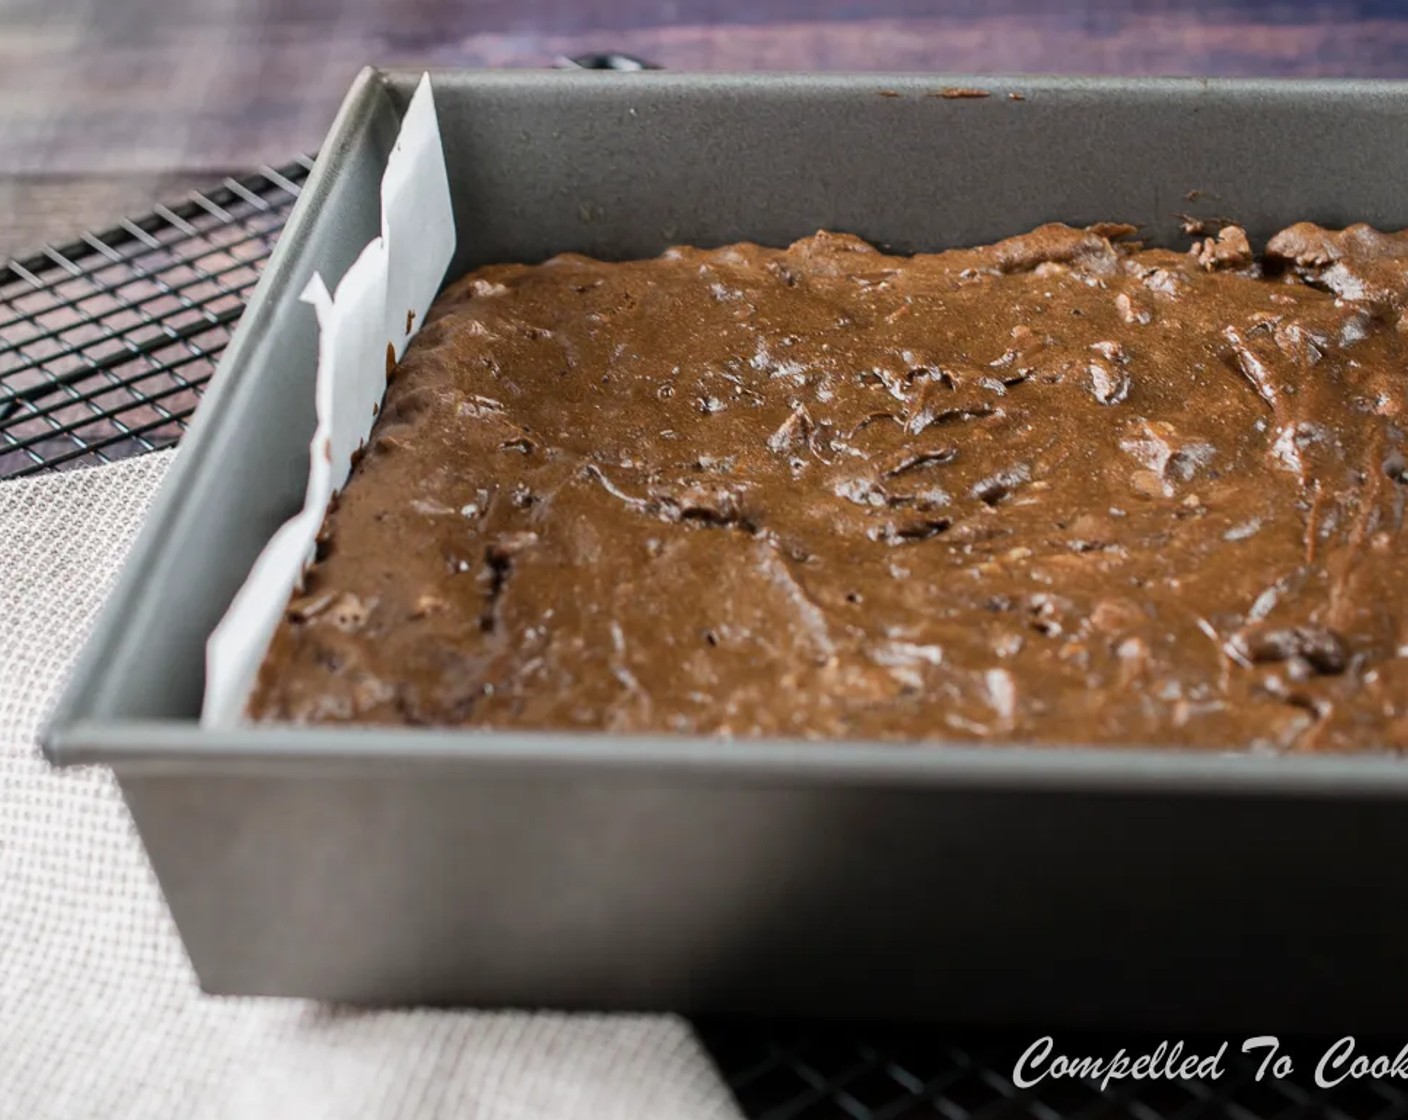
[99, 1012]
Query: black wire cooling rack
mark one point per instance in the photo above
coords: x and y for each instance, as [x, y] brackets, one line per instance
[781, 1071]
[105, 346]
[106, 343]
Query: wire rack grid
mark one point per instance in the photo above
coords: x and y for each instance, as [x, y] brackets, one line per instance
[105, 346]
[842, 1071]
[106, 343]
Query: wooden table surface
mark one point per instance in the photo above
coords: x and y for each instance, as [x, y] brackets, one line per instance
[109, 105]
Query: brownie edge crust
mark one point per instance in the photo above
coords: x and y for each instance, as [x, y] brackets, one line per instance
[1058, 489]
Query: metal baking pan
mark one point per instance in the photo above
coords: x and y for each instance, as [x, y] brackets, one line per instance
[1139, 887]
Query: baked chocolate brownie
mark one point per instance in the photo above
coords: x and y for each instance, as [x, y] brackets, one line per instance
[1059, 489]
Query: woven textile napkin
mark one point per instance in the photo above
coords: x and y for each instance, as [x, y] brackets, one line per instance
[99, 1012]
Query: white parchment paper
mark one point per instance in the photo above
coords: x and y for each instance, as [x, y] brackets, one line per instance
[380, 302]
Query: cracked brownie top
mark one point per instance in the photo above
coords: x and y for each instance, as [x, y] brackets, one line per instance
[1061, 488]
